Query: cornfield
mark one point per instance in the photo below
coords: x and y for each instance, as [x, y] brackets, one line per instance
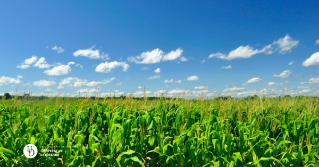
[127, 132]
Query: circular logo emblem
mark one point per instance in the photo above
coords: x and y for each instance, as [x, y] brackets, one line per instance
[30, 151]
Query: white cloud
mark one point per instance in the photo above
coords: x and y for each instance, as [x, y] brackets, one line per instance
[303, 87]
[48, 90]
[271, 83]
[140, 87]
[108, 66]
[59, 70]
[218, 55]
[7, 80]
[41, 83]
[158, 70]
[89, 91]
[174, 55]
[312, 60]
[76, 82]
[27, 84]
[19, 76]
[154, 77]
[79, 65]
[145, 68]
[203, 61]
[317, 42]
[284, 74]
[183, 58]
[233, 89]
[201, 87]
[23, 66]
[80, 82]
[155, 56]
[253, 80]
[148, 57]
[311, 81]
[90, 53]
[291, 63]
[286, 44]
[28, 62]
[140, 93]
[119, 84]
[59, 49]
[193, 78]
[240, 52]
[41, 63]
[226, 67]
[169, 81]
[177, 91]
[65, 81]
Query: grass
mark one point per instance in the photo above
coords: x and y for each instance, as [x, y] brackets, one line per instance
[164, 132]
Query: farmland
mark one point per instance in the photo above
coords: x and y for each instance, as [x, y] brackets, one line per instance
[161, 132]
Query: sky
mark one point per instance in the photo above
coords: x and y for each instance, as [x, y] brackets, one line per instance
[178, 48]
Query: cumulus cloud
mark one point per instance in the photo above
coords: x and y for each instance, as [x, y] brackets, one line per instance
[158, 70]
[177, 91]
[312, 60]
[154, 77]
[317, 42]
[169, 81]
[271, 83]
[291, 63]
[284, 74]
[59, 49]
[155, 56]
[311, 81]
[183, 58]
[79, 82]
[90, 53]
[140, 87]
[41, 63]
[42, 83]
[27, 62]
[253, 80]
[174, 55]
[233, 89]
[193, 78]
[109, 66]
[226, 67]
[119, 84]
[59, 69]
[172, 80]
[19, 76]
[87, 91]
[7, 80]
[140, 93]
[76, 82]
[286, 44]
[201, 87]
[240, 52]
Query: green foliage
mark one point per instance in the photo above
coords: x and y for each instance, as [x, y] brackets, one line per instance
[161, 132]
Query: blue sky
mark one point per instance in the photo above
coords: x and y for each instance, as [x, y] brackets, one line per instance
[212, 48]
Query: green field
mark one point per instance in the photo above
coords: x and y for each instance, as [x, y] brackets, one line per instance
[162, 132]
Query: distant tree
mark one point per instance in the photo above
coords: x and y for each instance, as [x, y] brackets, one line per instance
[7, 96]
